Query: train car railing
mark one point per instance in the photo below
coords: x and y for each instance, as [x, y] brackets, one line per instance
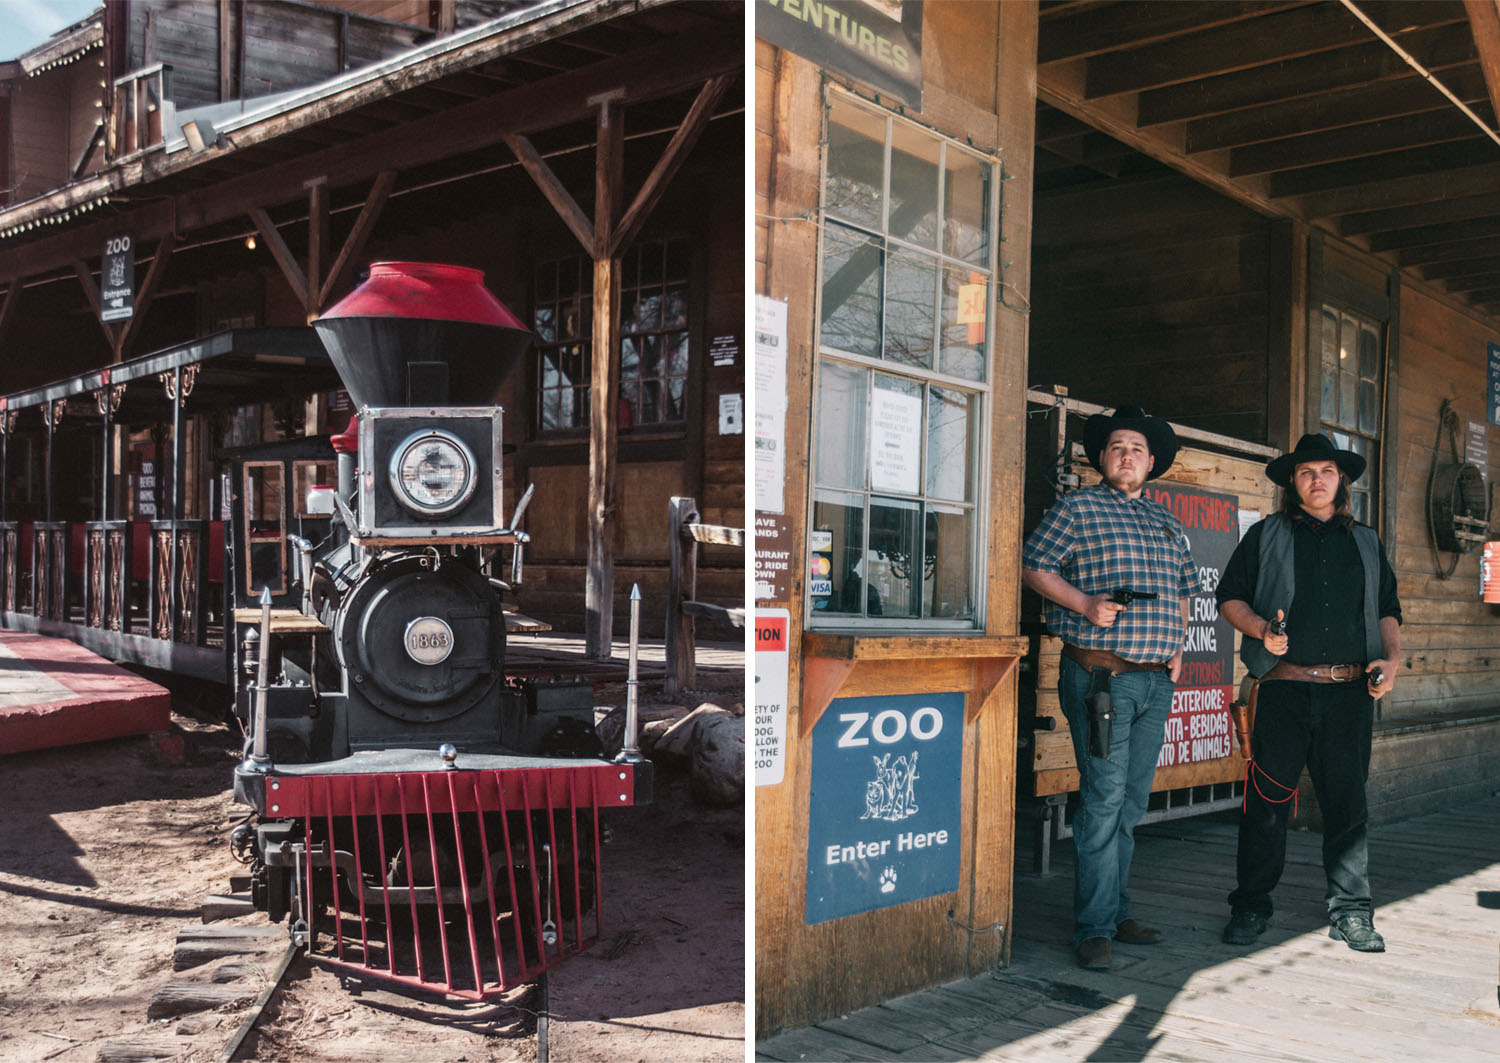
[51, 569]
[108, 574]
[10, 564]
[179, 570]
[467, 882]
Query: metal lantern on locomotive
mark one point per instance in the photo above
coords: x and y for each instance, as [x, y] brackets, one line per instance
[418, 815]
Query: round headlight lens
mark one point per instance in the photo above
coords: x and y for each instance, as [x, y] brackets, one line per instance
[432, 472]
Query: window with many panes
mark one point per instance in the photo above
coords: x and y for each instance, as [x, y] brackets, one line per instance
[908, 220]
[1351, 397]
[653, 337]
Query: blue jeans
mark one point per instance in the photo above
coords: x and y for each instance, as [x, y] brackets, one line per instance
[1113, 791]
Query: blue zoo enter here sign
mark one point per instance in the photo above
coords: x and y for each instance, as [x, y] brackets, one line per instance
[884, 816]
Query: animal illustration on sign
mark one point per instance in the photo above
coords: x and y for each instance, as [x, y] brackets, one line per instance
[892, 794]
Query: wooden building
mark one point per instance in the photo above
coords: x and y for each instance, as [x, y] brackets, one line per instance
[1254, 219]
[170, 171]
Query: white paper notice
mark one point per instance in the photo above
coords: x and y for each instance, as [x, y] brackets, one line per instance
[1248, 517]
[895, 441]
[772, 666]
[731, 416]
[770, 405]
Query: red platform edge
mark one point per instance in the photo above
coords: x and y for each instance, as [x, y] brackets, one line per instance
[107, 701]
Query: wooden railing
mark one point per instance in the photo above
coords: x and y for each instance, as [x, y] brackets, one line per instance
[685, 532]
[155, 578]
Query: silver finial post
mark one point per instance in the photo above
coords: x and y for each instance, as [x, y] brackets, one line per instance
[630, 750]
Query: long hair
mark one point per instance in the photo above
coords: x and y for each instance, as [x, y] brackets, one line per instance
[1289, 505]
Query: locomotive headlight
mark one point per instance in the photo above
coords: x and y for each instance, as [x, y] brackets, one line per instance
[433, 472]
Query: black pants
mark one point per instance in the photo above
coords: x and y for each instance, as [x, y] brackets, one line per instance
[1325, 726]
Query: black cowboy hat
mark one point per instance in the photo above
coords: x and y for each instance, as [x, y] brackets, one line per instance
[1160, 438]
[1314, 447]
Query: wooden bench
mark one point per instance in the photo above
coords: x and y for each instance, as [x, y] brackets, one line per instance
[685, 531]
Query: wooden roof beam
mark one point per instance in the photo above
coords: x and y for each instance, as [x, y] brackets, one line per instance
[1420, 215]
[1335, 109]
[1287, 35]
[1424, 188]
[1425, 161]
[1354, 142]
[1439, 271]
[1074, 34]
[1420, 236]
[1484, 21]
[1367, 62]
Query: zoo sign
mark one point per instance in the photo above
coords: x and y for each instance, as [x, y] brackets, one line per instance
[884, 810]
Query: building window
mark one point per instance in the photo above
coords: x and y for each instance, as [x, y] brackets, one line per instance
[1351, 398]
[902, 374]
[654, 337]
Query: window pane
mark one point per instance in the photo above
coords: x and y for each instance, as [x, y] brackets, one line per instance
[1359, 501]
[629, 357]
[651, 402]
[948, 554]
[837, 547]
[544, 324]
[650, 356]
[894, 565]
[966, 207]
[842, 406]
[914, 185]
[965, 305]
[1368, 407]
[1330, 337]
[677, 344]
[1348, 392]
[674, 309]
[630, 402]
[910, 295]
[951, 415]
[851, 291]
[1329, 405]
[676, 411]
[856, 165]
[1369, 353]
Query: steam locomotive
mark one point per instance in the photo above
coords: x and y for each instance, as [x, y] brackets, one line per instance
[417, 814]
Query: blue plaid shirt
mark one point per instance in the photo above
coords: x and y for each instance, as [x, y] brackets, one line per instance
[1097, 540]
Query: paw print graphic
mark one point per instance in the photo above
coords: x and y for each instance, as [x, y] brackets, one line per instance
[888, 880]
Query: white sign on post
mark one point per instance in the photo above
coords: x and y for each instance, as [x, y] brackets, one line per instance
[772, 666]
[770, 405]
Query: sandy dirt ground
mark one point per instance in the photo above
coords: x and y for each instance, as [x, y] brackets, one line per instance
[106, 850]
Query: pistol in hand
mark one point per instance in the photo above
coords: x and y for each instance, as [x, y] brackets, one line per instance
[1124, 595]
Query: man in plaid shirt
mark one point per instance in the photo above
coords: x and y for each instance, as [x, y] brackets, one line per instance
[1091, 542]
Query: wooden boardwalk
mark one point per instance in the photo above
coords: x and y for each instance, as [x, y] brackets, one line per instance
[1295, 995]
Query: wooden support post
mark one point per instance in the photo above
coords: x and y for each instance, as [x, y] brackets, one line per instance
[682, 585]
[317, 242]
[604, 412]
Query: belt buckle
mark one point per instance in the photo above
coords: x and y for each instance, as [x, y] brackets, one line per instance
[1343, 673]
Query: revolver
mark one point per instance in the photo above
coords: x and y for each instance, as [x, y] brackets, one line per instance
[1276, 627]
[1124, 595]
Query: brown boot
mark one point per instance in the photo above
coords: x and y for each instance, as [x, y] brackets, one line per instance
[1094, 954]
[1134, 932]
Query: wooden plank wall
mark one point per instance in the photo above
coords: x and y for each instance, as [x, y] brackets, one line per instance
[1052, 763]
[1450, 641]
[286, 46]
[1154, 290]
[63, 99]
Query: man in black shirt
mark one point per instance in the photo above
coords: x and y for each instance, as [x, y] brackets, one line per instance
[1325, 575]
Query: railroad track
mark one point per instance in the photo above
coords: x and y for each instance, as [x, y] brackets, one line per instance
[217, 966]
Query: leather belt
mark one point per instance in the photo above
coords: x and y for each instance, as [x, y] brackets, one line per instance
[1104, 659]
[1315, 673]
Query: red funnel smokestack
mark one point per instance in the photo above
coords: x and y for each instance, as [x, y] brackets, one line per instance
[422, 333]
